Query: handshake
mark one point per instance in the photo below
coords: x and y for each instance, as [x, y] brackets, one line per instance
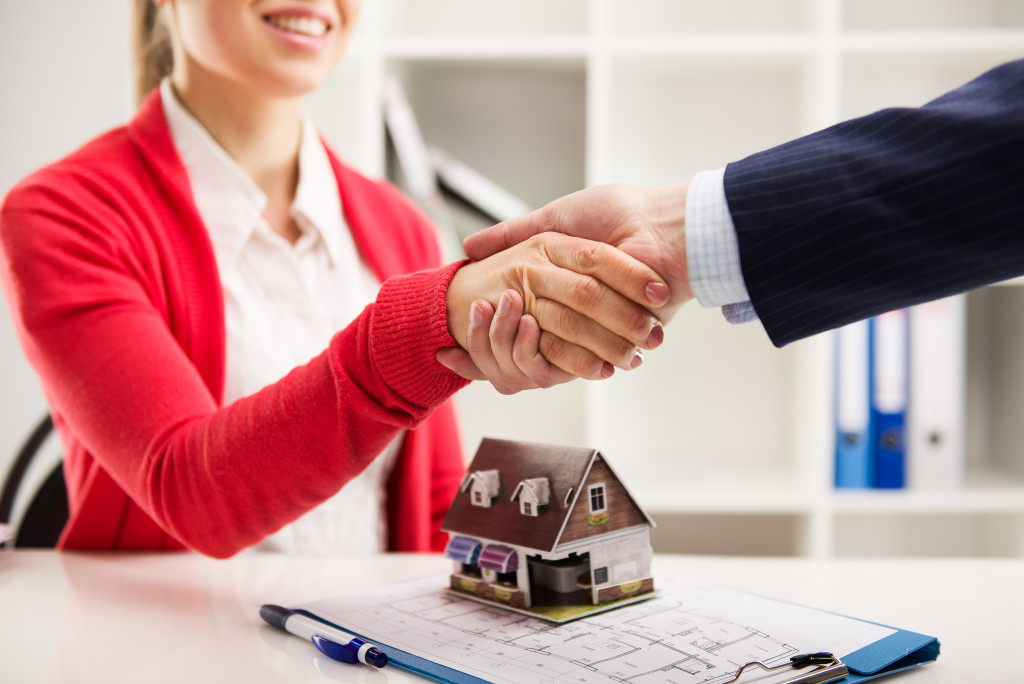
[574, 289]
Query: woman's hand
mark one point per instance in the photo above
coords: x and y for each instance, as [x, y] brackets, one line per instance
[502, 346]
[571, 287]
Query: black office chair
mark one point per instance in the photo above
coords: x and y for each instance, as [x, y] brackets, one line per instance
[47, 512]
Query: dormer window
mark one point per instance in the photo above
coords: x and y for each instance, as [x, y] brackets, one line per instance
[598, 504]
[483, 486]
[533, 494]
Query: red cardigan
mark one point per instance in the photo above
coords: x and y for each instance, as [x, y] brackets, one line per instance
[114, 290]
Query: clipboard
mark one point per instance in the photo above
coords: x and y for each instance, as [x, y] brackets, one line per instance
[402, 620]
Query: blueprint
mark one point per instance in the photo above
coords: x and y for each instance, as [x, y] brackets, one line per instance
[690, 633]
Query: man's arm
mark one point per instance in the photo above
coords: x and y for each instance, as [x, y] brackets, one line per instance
[885, 211]
[882, 212]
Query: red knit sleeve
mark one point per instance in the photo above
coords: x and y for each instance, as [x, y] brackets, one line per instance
[97, 299]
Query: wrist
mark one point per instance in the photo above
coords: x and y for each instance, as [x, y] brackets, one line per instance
[666, 217]
[458, 301]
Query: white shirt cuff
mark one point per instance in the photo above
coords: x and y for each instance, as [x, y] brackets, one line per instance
[712, 250]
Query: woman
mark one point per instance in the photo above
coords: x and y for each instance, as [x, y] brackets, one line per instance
[174, 283]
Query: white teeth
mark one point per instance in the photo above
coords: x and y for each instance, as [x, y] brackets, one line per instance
[307, 26]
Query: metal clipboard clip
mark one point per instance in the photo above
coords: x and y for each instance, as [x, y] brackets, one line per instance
[827, 668]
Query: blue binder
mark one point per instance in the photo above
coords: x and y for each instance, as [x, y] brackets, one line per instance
[889, 394]
[854, 431]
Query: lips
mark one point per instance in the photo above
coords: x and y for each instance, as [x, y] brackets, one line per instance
[313, 27]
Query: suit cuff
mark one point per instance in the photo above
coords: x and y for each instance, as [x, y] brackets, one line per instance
[712, 249]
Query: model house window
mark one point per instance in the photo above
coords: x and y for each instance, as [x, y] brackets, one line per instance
[483, 487]
[597, 501]
[534, 495]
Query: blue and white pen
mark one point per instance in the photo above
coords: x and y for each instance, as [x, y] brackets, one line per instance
[332, 642]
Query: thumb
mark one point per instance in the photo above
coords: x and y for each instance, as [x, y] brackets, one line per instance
[490, 241]
[459, 362]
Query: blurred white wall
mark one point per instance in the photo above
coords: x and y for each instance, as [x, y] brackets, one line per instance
[64, 77]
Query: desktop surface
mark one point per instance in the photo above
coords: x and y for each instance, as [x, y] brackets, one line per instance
[180, 617]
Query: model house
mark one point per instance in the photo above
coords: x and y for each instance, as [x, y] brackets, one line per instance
[545, 525]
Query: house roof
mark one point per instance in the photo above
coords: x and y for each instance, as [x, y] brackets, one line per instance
[565, 468]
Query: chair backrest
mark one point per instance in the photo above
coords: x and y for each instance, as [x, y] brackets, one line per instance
[47, 511]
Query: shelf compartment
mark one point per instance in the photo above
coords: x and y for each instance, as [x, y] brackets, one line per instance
[551, 416]
[1002, 41]
[715, 423]
[518, 122]
[903, 15]
[492, 18]
[1008, 500]
[730, 535]
[477, 47]
[926, 535]
[648, 17]
[677, 484]
[670, 117]
[995, 384]
[871, 82]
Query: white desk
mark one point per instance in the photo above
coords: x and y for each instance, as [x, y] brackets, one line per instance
[70, 617]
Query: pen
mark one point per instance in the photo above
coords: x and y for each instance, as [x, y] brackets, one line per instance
[332, 642]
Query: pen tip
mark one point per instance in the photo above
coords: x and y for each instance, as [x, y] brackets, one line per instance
[274, 615]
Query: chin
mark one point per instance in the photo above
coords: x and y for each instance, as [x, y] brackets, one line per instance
[290, 85]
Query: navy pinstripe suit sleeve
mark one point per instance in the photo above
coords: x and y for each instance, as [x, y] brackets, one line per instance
[886, 211]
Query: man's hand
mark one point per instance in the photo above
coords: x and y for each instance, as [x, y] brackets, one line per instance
[646, 223]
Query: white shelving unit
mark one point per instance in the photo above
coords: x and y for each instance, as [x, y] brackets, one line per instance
[726, 440]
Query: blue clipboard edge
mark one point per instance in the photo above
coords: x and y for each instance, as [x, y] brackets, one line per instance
[897, 652]
[903, 650]
[405, 660]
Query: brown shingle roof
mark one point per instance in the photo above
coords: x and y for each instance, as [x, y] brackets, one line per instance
[565, 467]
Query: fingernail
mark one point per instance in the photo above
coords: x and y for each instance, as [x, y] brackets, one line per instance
[657, 293]
[504, 304]
[656, 337]
[638, 358]
[607, 370]
[476, 316]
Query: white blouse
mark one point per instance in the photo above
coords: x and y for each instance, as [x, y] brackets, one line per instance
[283, 303]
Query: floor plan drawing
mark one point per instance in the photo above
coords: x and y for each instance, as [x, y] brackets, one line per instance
[688, 634]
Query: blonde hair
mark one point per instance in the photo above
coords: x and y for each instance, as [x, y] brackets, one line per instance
[151, 47]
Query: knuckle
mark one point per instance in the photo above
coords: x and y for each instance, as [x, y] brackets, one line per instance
[585, 292]
[623, 351]
[551, 346]
[536, 369]
[640, 325]
[571, 324]
[535, 241]
[570, 358]
[588, 256]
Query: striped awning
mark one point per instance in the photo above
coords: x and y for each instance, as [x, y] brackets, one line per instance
[499, 558]
[463, 550]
